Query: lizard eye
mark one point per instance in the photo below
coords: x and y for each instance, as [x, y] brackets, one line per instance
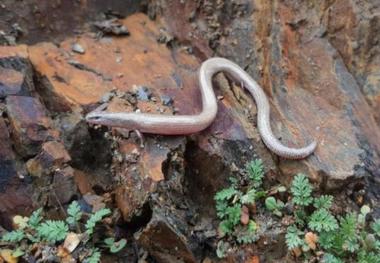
[90, 117]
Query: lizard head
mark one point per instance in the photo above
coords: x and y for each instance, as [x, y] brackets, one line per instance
[111, 119]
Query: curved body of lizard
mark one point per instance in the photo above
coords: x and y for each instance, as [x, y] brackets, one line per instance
[187, 124]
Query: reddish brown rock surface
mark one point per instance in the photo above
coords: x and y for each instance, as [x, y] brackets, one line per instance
[29, 123]
[318, 64]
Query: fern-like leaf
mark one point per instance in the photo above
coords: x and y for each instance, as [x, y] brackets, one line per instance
[347, 232]
[301, 190]
[327, 239]
[13, 236]
[292, 237]
[322, 220]
[256, 172]
[53, 231]
[330, 258]
[368, 257]
[94, 258]
[74, 213]
[376, 227]
[221, 207]
[95, 218]
[324, 201]
[35, 218]
[225, 194]
[249, 197]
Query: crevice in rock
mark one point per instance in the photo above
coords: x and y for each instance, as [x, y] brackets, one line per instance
[83, 67]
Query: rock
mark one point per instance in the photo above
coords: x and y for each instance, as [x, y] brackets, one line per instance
[11, 82]
[166, 100]
[164, 242]
[82, 180]
[112, 27]
[15, 193]
[65, 86]
[300, 68]
[39, 20]
[52, 156]
[346, 25]
[63, 188]
[16, 73]
[143, 93]
[78, 48]
[30, 124]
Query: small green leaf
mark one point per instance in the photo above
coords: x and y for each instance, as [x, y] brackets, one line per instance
[53, 231]
[222, 248]
[35, 219]
[322, 220]
[74, 213]
[94, 219]
[94, 257]
[249, 197]
[365, 209]
[324, 201]
[13, 236]
[270, 203]
[252, 226]
[256, 172]
[117, 246]
[301, 190]
[225, 194]
[292, 237]
[330, 258]
[376, 227]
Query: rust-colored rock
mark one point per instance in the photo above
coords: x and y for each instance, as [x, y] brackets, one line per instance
[30, 124]
[82, 181]
[71, 79]
[16, 73]
[164, 242]
[52, 156]
[312, 93]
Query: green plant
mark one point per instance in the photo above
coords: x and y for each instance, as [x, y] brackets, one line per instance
[231, 206]
[347, 237]
[294, 237]
[274, 205]
[314, 231]
[114, 246]
[301, 190]
[94, 219]
[36, 231]
[322, 220]
[255, 171]
[94, 256]
[52, 231]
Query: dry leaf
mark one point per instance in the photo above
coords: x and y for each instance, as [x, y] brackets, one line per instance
[20, 222]
[311, 240]
[297, 252]
[71, 242]
[244, 217]
[6, 254]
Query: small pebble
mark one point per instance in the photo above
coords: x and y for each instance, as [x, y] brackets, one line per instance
[78, 48]
[166, 100]
[143, 93]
